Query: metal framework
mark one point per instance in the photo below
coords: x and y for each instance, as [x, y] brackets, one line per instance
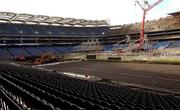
[126, 42]
[41, 19]
[132, 44]
[90, 45]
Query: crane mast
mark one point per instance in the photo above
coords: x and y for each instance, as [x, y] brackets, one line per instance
[145, 7]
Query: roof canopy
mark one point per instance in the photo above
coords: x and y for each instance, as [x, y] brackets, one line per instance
[41, 19]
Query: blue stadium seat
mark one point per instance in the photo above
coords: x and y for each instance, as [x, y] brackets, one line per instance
[18, 50]
[174, 44]
[57, 91]
[35, 51]
[4, 54]
[63, 49]
[161, 44]
[8, 28]
[49, 49]
[27, 30]
[108, 47]
[24, 29]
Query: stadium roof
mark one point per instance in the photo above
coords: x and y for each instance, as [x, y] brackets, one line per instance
[41, 19]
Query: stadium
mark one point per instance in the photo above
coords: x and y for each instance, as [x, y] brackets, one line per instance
[58, 63]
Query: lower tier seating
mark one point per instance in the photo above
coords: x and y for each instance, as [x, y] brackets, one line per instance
[14, 52]
[34, 89]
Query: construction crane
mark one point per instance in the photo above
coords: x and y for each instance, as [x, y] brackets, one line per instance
[146, 7]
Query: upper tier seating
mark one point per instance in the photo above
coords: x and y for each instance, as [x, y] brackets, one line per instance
[9, 29]
[167, 23]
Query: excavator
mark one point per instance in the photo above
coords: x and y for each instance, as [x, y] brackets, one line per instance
[45, 58]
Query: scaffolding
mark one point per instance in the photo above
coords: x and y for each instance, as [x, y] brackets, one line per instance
[129, 45]
[89, 46]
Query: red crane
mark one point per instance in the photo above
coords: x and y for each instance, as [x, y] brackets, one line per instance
[146, 7]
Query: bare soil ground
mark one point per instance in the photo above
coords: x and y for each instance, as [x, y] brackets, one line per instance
[157, 76]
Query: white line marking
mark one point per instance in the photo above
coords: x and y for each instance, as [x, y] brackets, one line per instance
[50, 64]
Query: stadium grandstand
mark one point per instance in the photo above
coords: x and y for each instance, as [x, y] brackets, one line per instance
[32, 35]
[78, 64]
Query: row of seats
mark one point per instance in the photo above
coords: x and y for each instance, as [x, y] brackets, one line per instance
[174, 44]
[10, 29]
[161, 44]
[13, 52]
[3, 105]
[75, 94]
[156, 45]
[108, 47]
[167, 44]
[23, 99]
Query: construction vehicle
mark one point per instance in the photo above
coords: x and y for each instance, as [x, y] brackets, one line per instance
[45, 58]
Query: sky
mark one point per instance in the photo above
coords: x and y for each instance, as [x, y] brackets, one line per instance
[117, 12]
